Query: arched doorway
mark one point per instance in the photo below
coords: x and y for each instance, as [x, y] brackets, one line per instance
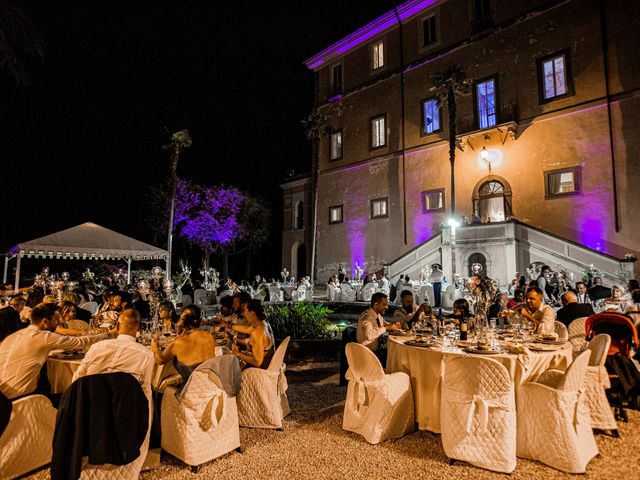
[479, 259]
[492, 200]
[298, 260]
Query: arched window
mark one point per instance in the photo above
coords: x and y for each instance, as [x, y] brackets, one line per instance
[477, 259]
[299, 223]
[492, 200]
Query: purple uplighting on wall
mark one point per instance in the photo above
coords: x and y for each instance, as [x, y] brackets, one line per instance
[405, 11]
[423, 228]
[356, 228]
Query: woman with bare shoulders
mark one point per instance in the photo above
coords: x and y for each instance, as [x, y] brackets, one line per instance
[261, 344]
[190, 349]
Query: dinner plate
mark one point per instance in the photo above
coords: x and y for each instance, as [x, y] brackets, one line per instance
[413, 343]
[399, 333]
[482, 352]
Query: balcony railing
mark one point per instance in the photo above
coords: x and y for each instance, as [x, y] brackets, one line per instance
[507, 112]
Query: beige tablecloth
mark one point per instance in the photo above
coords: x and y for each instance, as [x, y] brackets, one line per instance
[424, 366]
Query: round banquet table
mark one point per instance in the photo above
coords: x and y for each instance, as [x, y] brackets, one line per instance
[424, 366]
[60, 371]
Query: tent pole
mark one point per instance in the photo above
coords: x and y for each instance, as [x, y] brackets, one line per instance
[6, 266]
[128, 270]
[17, 284]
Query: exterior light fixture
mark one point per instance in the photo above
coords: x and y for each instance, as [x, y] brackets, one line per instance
[453, 223]
[484, 154]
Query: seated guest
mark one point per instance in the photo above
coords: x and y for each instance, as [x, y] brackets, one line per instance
[542, 315]
[461, 309]
[632, 285]
[498, 305]
[371, 325]
[23, 353]
[634, 311]
[227, 315]
[518, 297]
[572, 309]
[81, 313]
[409, 313]
[19, 304]
[581, 293]
[167, 316]
[122, 354]
[617, 300]
[261, 344]
[118, 302]
[67, 313]
[598, 291]
[190, 349]
[9, 322]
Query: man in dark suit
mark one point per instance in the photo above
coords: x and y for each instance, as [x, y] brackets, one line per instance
[572, 309]
[599, 291]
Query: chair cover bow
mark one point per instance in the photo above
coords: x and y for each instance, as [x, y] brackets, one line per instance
[477, 406]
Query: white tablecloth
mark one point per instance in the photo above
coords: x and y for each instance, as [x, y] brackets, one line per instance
[424, 366]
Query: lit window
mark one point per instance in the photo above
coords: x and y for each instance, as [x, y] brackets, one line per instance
[380, 208]
[377, 52]
[482, 10]
[554, 77]
[336, 77]
[336, 145]
[378, 132]
[563, 182]
[335, 214]
[429, 31]
[431, 116]
[486, 103]
[433, 200]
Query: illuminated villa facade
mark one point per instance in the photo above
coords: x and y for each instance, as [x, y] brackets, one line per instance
[547, 164]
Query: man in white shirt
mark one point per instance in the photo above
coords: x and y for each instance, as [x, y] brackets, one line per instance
[436, 278]
[543, 316]
[23, 353]
[122, 354]
[371, 324]
[582, 295]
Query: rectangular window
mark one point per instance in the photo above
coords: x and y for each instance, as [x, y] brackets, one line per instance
[486, 103]
[482, 12]
[335, 214]
[429, 34]
[430, 116]
[336, 145]
[378, 132]
[563, 182]
[336, 77]
[377, 52]
[380, 208]
[554, 76]
[433, 200]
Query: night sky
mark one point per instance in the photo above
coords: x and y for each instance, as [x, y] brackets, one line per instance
[83, 141]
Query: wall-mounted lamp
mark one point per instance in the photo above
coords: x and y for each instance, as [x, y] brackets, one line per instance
[484, 154]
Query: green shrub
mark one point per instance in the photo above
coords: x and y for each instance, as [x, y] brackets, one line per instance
[300, 320]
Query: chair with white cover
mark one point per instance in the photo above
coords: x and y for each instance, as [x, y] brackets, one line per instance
[203, 424]
[596, 383]
[262, 401]
[308, 294]
[478, 406]
[561, 329]
[367, 291]
[331, 294]
[275, 294]
[299, 294]
[577, 335]
[426, 293]
[26, 441]
[554, 424]
[91, 306]
[450, 295]
[187, 300]
[200, 297]
[347, 294]
[379, 406]
[77, 325]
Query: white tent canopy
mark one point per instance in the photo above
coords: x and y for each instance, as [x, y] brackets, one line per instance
[87, 241]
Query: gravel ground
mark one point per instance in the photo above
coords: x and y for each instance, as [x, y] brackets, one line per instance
[314, 446]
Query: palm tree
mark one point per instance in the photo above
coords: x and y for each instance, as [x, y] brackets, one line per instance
[18, 39]
[178, 142]
[447, 86]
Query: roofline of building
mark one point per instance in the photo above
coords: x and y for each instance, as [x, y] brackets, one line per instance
[383, 23]
[297, 180]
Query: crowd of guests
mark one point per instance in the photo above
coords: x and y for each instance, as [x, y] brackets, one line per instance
[113, 341]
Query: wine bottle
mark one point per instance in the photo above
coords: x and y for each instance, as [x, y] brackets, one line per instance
[464, 327]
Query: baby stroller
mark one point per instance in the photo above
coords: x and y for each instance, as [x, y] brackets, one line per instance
[624, 376]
